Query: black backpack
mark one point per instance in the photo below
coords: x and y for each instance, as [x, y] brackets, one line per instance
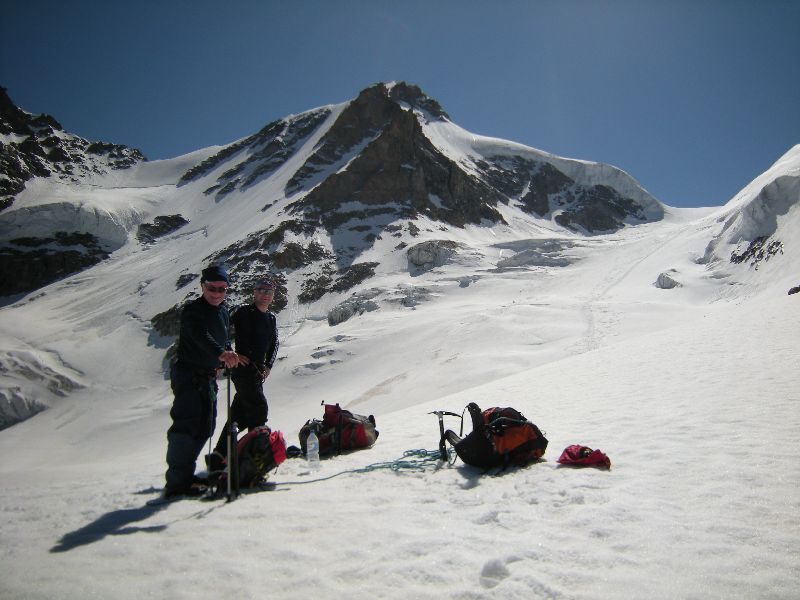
[499, 437]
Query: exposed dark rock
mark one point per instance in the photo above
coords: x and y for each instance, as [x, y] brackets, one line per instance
[317, 286]
[550, 192]
[507, 174]
[44, 153]
[16, 407]
[31, 146]
[546, 182]
[168, 323]
[261, 154]
[597, 209]
[27, 264]
[363, 118]
[19, 167]
[58, 154]
[13, 119]
[353, 275]
[276, 235]
[416, 98]
[794, 290]
[262, 245]
[185, 280]
[397, 173]
[760, 249]
[291, 256]
[161, 226]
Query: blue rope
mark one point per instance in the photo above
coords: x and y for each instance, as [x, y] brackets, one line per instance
[418, 460]
[413, 460]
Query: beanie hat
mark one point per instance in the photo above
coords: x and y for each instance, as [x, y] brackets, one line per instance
[214, 273]
[265, 282]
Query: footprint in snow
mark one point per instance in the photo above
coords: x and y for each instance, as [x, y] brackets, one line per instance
[493, 573]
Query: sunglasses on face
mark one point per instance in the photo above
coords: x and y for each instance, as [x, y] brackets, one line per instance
[216, 290]
[262, 290]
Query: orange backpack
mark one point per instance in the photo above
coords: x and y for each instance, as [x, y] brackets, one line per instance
[499, 437]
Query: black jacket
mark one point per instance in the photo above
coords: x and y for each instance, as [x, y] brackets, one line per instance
[204, 335]
[256, 335]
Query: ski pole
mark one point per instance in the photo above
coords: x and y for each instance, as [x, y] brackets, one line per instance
[231, 449]
[235, 463]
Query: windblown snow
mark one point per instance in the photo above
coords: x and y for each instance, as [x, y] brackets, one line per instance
[691, 390]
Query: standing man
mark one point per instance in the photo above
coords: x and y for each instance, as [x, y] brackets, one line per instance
[256, 332]
[203, 347]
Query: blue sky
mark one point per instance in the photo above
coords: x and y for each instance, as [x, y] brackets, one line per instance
[693, 98]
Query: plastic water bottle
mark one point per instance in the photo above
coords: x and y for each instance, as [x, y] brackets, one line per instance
[312, 451]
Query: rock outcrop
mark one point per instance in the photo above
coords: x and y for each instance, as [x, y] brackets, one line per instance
[383, 166]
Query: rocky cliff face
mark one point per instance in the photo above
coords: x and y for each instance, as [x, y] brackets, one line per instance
[397, 171]
[545, 191]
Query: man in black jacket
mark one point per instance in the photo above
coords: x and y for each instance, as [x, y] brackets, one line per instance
[256, 333]
[203, 347]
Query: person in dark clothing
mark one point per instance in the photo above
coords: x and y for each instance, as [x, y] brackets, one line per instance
[256, 333]
[203, 347]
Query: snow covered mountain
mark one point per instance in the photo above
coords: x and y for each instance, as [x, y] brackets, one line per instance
[421, 267]
[340, 173]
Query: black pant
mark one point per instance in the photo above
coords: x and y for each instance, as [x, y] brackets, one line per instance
[194, 412]
[249, 407]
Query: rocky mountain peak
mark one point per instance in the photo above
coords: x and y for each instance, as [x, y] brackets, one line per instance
[14, 120]
[390, 168]
[37, 146]
[415, 98]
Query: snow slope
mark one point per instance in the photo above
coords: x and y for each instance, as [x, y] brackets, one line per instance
[691, 391]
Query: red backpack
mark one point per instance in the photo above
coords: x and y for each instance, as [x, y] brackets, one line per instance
[259, 451]
[340, 431]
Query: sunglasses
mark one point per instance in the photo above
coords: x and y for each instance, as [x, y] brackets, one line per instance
[216, 290]
[263, 290]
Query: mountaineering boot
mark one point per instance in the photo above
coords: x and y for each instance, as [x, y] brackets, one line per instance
[215, 462]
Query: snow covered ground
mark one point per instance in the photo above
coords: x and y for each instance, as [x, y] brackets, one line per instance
[692, 392]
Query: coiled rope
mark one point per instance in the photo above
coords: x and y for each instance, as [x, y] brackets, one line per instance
[417, 460]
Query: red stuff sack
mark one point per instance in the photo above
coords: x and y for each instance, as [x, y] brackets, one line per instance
[583, 456]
